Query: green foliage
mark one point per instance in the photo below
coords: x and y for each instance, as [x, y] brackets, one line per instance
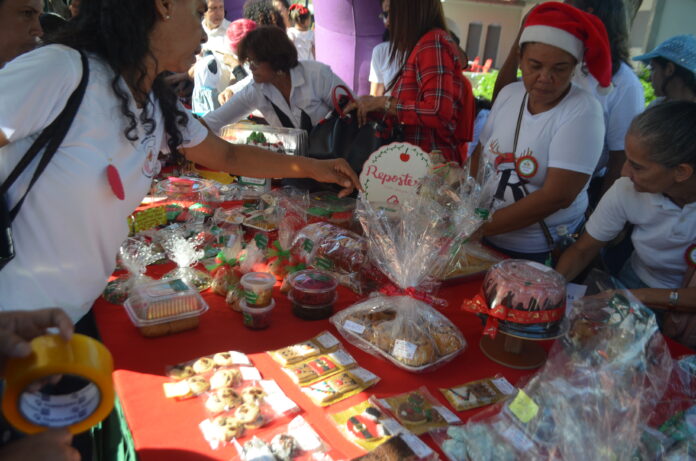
[648, 90]
[484, 85]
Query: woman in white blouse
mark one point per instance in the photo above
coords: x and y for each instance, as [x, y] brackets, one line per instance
[288, 92]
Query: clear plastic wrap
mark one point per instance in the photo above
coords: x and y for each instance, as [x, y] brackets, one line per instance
[288, 206]
[297, 441]
[469, 260]
[185, 253]
[134, 255]
[407, 245]
[600, 383]
[291, 141]
[344, 253]
[522, 298]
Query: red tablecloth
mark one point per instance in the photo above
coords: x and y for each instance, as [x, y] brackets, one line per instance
[165, 429]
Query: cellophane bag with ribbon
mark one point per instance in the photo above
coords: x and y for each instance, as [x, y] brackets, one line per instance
[134, 255]
[289, 207]
[225, 270]
[185, 252]
[602, 380]
[344, 253]
[670, 431]
[400, 324]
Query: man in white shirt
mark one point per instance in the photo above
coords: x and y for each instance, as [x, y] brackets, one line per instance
[215, 26]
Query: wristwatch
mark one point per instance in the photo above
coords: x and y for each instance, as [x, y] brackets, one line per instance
[673, 297]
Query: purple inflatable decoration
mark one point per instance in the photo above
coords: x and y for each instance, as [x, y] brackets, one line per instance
[233, 9]
[346, 31]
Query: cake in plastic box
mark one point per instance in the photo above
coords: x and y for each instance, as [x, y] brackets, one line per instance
[521, 285]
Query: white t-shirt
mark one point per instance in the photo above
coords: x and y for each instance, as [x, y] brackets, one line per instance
[304, 42]
[382, 69]
[210, 77]
[71, 225]
[568, 137]
[217, 38]
[661, 235]
[312, 84]
[620, 105]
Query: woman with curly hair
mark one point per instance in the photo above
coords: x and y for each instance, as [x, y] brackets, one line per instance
[73, 220]
[263, 13]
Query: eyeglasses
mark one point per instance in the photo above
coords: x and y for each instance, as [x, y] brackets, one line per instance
[384, 15]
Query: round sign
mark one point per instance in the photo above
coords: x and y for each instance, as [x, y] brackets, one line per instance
[526, 166]
[690, 255]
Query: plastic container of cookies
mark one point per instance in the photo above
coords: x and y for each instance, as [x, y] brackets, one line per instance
[258, 288]
[311, 287]
[165, 307]
[256, 318]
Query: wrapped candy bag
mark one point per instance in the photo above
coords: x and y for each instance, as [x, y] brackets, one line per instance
[401, 325]
[224, 271]
[288, 206]
[600, 383]
[183, 251]
[331, 248]
[134, 255]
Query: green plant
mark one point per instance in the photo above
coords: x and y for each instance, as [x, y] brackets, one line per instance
[483, 87]
[648, 90]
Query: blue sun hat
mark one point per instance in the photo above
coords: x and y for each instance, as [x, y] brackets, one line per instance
[680, 49]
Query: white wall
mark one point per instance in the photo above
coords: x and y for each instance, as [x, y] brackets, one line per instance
[678, 17]
[508, 16]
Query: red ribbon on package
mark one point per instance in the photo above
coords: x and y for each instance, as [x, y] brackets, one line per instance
[478, 305]
[393, 290]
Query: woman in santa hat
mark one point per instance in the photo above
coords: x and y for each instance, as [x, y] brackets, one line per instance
[545, 135]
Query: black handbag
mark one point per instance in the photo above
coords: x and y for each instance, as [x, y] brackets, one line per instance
[339, 136]
[51, 138]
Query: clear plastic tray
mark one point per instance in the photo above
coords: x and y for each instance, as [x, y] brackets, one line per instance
[292, 141]
[165, 307]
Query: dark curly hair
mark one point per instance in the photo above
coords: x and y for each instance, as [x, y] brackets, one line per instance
[268, 44]
[612, 13]
[118, 32]
[263, 13]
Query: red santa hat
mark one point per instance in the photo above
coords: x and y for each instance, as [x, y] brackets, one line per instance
[581, 34]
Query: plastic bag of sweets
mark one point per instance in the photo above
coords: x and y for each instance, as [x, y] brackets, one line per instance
[288, 206]
[134, 255]
[261, 403]
[366, 424]
[342, 252]
[601, 382]
[401, 325]
[323, 343]
[183, 251]
[225, 271]
[295, 441]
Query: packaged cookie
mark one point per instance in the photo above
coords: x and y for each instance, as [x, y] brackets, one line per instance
[207, 364]
[320, 367]
[478, 393]
[239, 412]
[408, 244]
[340, 386]
[402, 447]
[321, 344]
[296, 441]
[366, 424]
[418, 411]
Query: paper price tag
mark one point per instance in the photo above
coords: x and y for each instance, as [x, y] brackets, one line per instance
[524, 407]
[327, 340]
[392, 426]
[417, 445]
[363, 375]
[306, 438]
[573, 293]
[239, 358]
[250, 374]
[450, 417]
[354, 327]
[517, 438]
[342, 358]
[404, 349]
[503, 385]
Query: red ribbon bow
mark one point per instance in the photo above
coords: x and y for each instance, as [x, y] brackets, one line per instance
[478, 305]
[393, 290]
[301, 9]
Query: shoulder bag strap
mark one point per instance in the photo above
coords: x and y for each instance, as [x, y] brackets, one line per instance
[305, 122]
[542, 223]
[51, 137]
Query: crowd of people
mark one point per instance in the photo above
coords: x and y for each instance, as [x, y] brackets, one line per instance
[575, 119]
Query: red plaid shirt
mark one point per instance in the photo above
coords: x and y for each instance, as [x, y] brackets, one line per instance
[434, 100]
